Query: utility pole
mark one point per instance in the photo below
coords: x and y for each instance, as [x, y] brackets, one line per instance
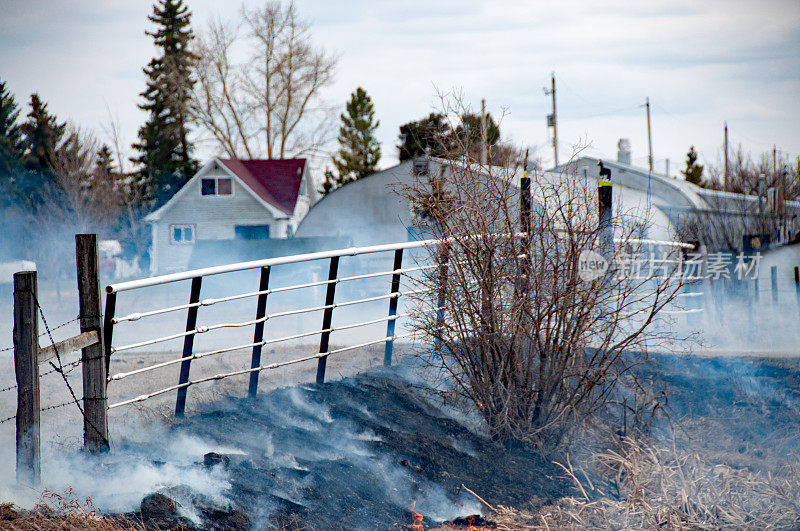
[552, 120]
[649, 137]
[725, 181]
[484, 147]
[774, 160]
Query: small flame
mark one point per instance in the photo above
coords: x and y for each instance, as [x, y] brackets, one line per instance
[480, 405]
[417, 525]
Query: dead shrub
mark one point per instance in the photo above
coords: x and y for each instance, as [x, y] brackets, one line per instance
[512, 327]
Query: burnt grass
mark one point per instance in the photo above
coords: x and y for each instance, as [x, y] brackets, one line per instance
[355, 454]
[742, 412]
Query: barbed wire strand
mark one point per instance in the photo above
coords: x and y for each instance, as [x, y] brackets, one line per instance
[12, 417]
[71, 366]
[62, 325]
[56, 406]
[60, 370]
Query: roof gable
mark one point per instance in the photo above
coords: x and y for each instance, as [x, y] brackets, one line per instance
[276, 181]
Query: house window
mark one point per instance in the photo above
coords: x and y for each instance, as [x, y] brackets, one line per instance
[251, 232]
[216, 186]
[181, 234]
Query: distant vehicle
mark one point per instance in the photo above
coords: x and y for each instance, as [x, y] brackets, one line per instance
[7, 269]
[109, 251]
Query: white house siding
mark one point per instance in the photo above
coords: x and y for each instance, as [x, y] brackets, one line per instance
[214, 218]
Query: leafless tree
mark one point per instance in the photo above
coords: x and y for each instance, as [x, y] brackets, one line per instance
[130, 191]
[746, 176]
[523, 336]
[268, 104]
[744, 207]
[80, 198]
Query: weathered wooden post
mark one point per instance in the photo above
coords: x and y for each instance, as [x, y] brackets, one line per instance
[93, 359]
[26, 367]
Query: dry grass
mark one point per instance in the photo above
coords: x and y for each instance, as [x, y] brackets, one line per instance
[57, 511]
[644, 486]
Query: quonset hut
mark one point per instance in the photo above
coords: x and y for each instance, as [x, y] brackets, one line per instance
[371, 210]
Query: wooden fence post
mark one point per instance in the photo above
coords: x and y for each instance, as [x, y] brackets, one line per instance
[26, 367]
[93, 360]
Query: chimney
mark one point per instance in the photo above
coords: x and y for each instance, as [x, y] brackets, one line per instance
[624, 151]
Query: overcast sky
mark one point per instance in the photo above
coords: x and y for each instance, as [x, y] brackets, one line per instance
[699, 64]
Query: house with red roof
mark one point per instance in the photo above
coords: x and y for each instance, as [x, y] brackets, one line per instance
[230, 199]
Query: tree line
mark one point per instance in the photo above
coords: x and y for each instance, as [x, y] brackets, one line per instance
[57, 179]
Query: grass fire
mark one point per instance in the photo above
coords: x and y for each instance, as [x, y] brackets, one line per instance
[283, 277]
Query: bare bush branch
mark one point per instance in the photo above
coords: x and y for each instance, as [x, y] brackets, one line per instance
[525, 339]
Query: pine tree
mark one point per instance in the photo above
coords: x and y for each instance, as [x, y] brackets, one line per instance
[470, 130]
[693, 172]
[359, 150]
[165, 153]
[10, 133]
[11, 147]
[42, 134]
[431, 136]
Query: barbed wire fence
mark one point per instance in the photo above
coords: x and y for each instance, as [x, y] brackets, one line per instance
[64, 369]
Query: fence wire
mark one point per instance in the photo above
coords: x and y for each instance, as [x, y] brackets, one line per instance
[60, 369]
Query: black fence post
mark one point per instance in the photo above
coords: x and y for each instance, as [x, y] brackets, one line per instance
[442, 297]
[605, 205]
[395, 289]
[108, 326]
[797, 285]
[258, 335]
[26, 368]
[773, 282]
[95, 422]
[327, 317]
[188, 344]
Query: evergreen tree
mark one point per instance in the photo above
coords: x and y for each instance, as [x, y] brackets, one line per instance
[693, 172]
[105, 160]
[470, 130]
[42, 135]
[165, 153]
[431, 135]
[359, 150]
[10, 134]
[11, 147]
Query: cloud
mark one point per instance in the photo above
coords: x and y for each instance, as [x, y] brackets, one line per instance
[700, 64]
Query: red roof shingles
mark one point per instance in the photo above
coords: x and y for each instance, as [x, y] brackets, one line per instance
[276, 181]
